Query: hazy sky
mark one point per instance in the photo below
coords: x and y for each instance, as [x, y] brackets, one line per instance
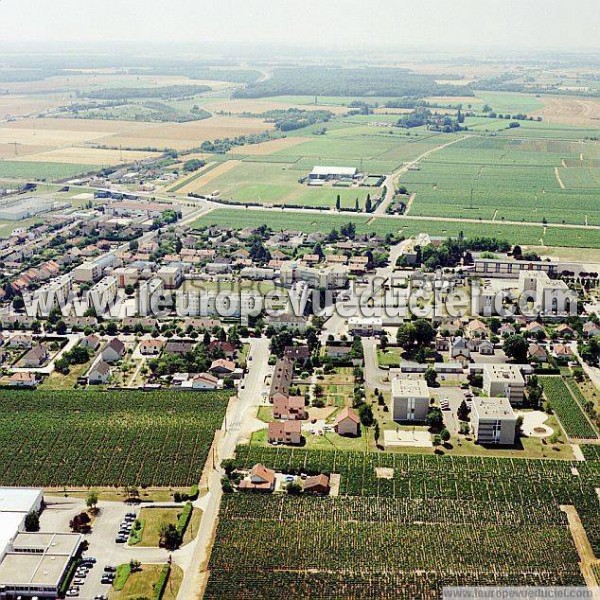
[557, 24]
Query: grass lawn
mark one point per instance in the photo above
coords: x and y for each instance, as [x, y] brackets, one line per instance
[141, 584]
[154, 517]
[265, 413]
[390, 357]
[57, 381]
[328, 441]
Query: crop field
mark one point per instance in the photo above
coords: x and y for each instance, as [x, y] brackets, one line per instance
[571, 415]
[503, 102]
[310, 222]
[43, 170]
[570, 110]
[498, 178]
[270, 183]
[106, 439]
[182, 136]
[438, 521]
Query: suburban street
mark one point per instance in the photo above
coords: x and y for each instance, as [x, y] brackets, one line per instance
[238, 414]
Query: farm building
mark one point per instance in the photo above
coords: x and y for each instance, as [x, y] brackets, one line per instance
[333, 173]
[318, 484]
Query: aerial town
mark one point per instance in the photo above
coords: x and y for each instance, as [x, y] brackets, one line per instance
[274, 326]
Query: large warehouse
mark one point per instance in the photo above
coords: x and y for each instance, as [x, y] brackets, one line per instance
[31, 564]
[328, 173]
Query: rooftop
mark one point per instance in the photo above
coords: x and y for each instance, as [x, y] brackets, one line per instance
[493, 408]
[409, 387]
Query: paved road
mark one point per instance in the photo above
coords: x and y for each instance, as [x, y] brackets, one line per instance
[238, 418]
[390, 180]
[374, 376]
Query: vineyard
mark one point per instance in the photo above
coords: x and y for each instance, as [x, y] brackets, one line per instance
[571, 415]
[106, 439]
[590, 452]
[438, 521]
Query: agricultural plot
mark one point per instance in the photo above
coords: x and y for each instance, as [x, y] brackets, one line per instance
[437, 521]
[106, 439]
[43, 170]
[569, 412]
[310, 222]
[498, 178]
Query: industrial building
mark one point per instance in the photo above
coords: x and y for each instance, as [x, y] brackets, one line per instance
[31, 564]
[25, 208]
[332, 173]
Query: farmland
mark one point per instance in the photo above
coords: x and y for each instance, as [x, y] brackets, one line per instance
[309, 222]
[570, 413]
[106, 439]
[501, 178]
[437, 521]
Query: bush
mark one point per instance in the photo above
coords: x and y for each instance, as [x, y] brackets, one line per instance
[161, 584]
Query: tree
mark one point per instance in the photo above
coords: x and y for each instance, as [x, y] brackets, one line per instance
[435, 419]
[169, 536]
[338, 202]
[61, 327]
[516, 347]
[80, 523]
[430, 377]
[445, 435]
[18, 303]
[135, 565]
[365, 413]
[293, 488]
[92, 500]
[32, 521]
[368, 204]
[463, 411]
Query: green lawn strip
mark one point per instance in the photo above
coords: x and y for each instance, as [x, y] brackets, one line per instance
[122, 575]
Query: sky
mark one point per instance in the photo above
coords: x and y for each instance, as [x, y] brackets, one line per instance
[330, 24]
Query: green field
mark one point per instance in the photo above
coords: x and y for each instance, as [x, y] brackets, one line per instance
[43, 170]
[435, 521]
[325, 221]
[82, 438]
[501, 178]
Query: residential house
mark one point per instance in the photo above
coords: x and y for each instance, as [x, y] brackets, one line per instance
[537, 353]
[289, 407]
[282, 378]
[99, 373]
[565, 330]
[91, 342]
[285, 432]
[113, 351]
[150, 347]
[23, 379]
[179, 346]
[35, 358]
[507, 329]
[591, 329]
[562, 352]
[260, 479]
[222, 366]
[347, 422]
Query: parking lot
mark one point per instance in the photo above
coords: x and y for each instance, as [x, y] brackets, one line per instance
[102, 546]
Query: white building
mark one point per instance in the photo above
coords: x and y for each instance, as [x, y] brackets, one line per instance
[54, 292]
[103, 293]
[171, 276]
[505, 380]
[410, 399]
[333, 173]
[332, 277]
[493, 421]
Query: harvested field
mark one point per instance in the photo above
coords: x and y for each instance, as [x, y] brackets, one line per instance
[94, 156]
[265, 148]
[187, 135]
[213, 174]
[20, 106]
[8, 150]
[570, 111]
[261, 105]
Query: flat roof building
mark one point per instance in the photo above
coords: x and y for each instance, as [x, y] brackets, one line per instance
[500, 379]
[493, 421]
[333, 173]
[410, 399]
